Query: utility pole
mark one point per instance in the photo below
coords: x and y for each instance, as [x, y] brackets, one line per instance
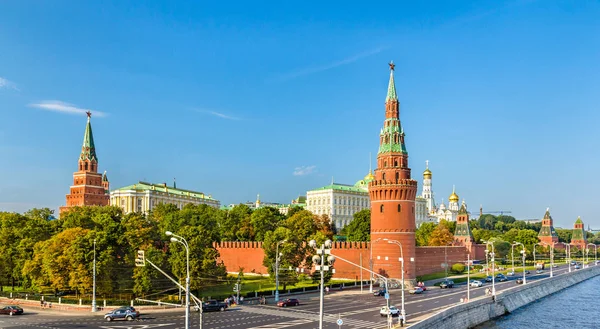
[94, 309]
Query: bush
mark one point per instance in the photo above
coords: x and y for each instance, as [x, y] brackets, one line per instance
[458, 268]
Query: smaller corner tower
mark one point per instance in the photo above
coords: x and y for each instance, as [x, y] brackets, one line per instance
[547, 233]
[105, 183]
[579, 235]
[462, 233]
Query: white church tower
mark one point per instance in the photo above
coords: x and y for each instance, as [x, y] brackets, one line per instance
[427, 189]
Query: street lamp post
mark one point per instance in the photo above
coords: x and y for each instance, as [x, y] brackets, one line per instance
[371, 264]
[595, 253]
[396, 242]
[534, 258]
[180, 239]
[512, 255]
[277, 258]
[552, 259]
[515, 243]
[319, 260]
[492, 254]
[94, 309]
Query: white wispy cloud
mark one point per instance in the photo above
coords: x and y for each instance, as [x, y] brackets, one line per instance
[304, 170]
[325, 67]
[7, 84]
[218, 114]
[62, 107]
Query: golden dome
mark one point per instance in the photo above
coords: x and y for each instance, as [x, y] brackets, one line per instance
[427, 172]
[453, 197]
[369, 176]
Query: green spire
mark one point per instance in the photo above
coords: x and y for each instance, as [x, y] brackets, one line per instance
[578, 221]
[391, 94]
[104, 177]
[88, 150]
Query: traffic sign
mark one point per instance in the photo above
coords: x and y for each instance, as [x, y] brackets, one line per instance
[339, 322]
[387, 295]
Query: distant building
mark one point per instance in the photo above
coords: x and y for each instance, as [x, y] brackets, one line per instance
[89, 188]
[340, 201]
[547, 233]
[579, 237]
[143, 197]
[283, 208]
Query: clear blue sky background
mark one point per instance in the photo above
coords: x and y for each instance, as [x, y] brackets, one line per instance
[232, 97]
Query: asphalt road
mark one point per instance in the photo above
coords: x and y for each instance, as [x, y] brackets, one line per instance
[356, 311]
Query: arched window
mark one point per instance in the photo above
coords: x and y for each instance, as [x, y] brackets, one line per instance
[397, 176]
[385, 164]
[86, 166]
[395, 163]
[383, 176]
[399, 208]
[381, 208]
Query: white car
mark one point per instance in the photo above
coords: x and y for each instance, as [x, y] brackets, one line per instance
[392, 311]
[511, 273]
[539, 271]
[416, 290]
[476, 283]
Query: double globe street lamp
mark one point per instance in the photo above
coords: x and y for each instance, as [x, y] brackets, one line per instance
[180, 239]
[277, 259]
[515, 243]
[322, 264]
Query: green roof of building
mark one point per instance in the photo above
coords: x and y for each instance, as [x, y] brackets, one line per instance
[578, 221]
[143, 186]
[341, 187]
[391, 94]
[88, 150]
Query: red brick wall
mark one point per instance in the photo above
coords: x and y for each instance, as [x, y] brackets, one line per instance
[430, 259]
[248, 255]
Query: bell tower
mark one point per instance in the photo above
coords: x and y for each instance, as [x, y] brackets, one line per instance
[392, 195]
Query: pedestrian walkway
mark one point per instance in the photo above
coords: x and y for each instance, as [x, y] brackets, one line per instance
[306, 315]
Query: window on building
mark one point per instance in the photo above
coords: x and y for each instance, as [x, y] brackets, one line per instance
[397, 176]
[383, 176]
[381, 208]
[399, 208]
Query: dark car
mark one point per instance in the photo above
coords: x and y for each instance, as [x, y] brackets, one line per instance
[288, 302]
[527, 272]
[11, 310]
[519, 281]
[501, 277]
[447, 284]
[120, 313]
[380, 292]
[213, 305]
[488, 278]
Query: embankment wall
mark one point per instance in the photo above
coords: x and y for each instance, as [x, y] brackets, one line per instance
[478, 311]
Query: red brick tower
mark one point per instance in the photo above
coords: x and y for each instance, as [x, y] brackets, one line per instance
[579, 236]
[392, 195]
[462, 233]
[88, 187]
[547, 233]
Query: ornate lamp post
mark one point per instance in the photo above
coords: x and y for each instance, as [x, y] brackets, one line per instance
[491, 254]
[524, 254]
[595, 253]
[94, 309]
[277, 258]
[319, 260]
[402, 311]
[371, 263]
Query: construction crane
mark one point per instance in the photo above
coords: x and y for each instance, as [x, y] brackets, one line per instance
[501, 212]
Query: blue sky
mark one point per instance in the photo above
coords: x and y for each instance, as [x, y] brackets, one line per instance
[233, 98]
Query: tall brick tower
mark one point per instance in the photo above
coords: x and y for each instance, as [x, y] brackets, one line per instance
[462, 233]
[547, 233]
[89, 188]
[579, 236]
[392, 195]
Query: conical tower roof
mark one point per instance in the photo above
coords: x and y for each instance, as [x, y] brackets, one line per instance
[88, 150]
[391, 94]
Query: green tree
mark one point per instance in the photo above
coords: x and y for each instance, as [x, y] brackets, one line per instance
[264, 220]
[480, 235]
[458, 268]
[359, 228]
[233, 221]
[564, 235]
[441, 235]
[423, 233]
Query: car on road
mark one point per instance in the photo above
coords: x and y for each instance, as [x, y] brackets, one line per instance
[212, 305]
[288, 302]
[500, 277]
[120, 313]
[488, 278]
[476, 283]
[380, 292]
[511, 273]
[11, 310]
[527, 272]
[447, 284]
[539, 271]
[555, 266]
[597, 262]
[416, 290]
[393, 311]
[131, 309]
[577, 267]
[519, 281]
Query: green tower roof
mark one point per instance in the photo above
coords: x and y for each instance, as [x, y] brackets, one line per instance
[578, 221]
[391, 93]
[88, 150]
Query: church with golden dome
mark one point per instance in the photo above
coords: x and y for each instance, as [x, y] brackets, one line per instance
[435, 213]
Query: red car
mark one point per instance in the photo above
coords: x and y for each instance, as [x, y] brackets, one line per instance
[288, 302]
[11, 310]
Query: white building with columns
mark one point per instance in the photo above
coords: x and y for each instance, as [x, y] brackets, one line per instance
[143, 197]
[340, 201]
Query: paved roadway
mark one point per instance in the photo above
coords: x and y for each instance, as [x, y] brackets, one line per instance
[355, 309]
